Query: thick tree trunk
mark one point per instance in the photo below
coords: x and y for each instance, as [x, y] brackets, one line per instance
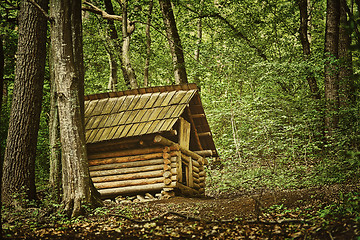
[19, 160]
[1, 93]
[2, 62]
[148, 45]
[331, 67]
[303, 30]
[127, 30]
[346, 82]
[66, 35]
[174, 42]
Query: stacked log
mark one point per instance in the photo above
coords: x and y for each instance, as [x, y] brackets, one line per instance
[150, 169]
[195, 165]
[134, 170]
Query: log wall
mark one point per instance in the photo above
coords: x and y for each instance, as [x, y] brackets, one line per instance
[133, 170]
[151, 169]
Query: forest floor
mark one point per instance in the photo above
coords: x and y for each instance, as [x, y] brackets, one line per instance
[316, 213]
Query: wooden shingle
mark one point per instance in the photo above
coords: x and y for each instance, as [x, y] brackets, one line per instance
[131, 113]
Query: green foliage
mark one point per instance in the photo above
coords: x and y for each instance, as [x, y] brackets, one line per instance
[267, 127]
[348, 205]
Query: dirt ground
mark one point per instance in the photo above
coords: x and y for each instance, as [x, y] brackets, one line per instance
[295, 214]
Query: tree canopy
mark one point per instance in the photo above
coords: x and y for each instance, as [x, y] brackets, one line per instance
[279, 80]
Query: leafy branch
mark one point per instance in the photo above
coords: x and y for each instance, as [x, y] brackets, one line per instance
[237, 32]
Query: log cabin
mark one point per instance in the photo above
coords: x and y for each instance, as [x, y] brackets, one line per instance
[148, 140]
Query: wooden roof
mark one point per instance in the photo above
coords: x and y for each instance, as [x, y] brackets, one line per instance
[115, 115]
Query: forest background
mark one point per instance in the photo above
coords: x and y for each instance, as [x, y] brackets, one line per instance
[263, 70]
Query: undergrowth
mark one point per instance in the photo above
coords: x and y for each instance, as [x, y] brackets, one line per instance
[229, 177]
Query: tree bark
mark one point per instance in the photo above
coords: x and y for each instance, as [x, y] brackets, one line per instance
[148, 45]
[127, 29]
[66, 35]
[54, 139]
[174, 42]
[197, 50]
[113, 36]
[331, 72]
[19, 160]
[346, 82]
[303, 30]
[113, 77]
[2, 62]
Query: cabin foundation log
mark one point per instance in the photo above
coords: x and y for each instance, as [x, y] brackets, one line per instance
[131, 176]
[134, 189]
[187, 191]
[125, 183]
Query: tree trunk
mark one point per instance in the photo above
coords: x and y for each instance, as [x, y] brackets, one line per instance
[19, 160]
[1, 93]
[346, 82]
[54, 139]
[148, 45]
[197, 50]
[303, 30]
[113, 36]
[66, 35]
[174, 42]
[113, 77]
[127, 30]
[331, 72]
[2, 62]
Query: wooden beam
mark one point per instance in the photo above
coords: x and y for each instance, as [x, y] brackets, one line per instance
[129, 152]
[134, 189]
[126, 170]
[193, 128]
[126, 164]
[179, 167]
[205, 153]
[163, 141]
[201, 115]
[131, 176]
[191, 178]
[184, 133]
[204, 134]
[96, 162]
[126, 183]
[187, 191]
[114, 144]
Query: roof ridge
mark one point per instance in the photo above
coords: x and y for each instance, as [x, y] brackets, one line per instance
[155, 89]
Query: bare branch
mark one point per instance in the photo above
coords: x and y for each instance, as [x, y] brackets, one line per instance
[237, 32]
[41, 10]
[105, 15]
